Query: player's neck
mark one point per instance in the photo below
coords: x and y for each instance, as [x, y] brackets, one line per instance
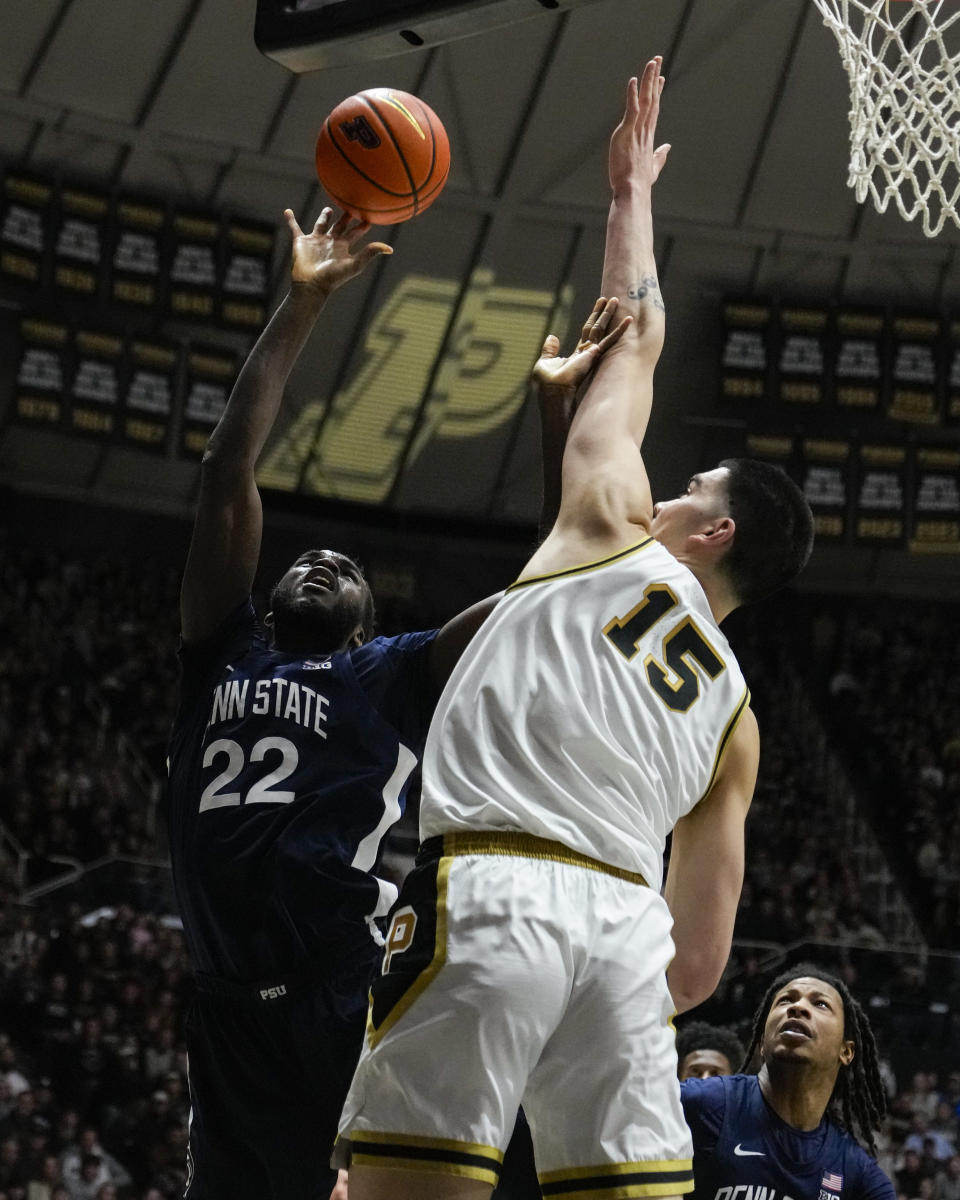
[720, 597]
[797, 1092]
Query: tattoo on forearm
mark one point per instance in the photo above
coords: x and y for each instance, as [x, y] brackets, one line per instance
[648, 286]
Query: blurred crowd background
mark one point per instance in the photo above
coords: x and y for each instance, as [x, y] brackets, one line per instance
[853, 861]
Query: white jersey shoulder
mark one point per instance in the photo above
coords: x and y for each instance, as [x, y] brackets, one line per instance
[592, 708]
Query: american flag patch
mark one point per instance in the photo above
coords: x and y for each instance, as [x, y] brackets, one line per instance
[832, 1182]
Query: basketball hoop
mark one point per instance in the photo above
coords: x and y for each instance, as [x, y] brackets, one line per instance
[904, 103]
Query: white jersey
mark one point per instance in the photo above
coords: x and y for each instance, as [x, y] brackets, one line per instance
[592, 708]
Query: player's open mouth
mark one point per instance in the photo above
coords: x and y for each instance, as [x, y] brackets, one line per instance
[320, 577]
[794, 1029]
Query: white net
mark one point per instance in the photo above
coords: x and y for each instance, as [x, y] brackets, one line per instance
[903, 61]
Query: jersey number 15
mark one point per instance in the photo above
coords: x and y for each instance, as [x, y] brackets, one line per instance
[683, 645]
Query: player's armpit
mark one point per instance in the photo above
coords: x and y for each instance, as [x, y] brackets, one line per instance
[706, 871]
[452, 639]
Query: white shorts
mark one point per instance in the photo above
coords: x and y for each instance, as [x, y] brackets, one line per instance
[517, 971]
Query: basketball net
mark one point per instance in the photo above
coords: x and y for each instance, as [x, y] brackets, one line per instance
[904, 103]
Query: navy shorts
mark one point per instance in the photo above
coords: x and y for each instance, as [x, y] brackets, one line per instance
[270, 1066]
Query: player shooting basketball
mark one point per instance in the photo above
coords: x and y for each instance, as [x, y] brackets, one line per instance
[599, 707]
[289, 759]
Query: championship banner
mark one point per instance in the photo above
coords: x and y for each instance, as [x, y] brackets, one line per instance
[915, 350]
[152, 385]
[745, 360]
[825, 480]
[858, 361]
[39, 388]
[26, 222]
[935, 516]
[194, 266]
[80, 241]
[774, 448]
[247, 254]
[137, 255]
[210, 376]
[880, 518]
[801, 360]
[95, 387]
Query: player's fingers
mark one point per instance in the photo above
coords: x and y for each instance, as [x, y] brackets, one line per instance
[551, 346]
[355, 230]
[605, 315]
[632, 105]
[592, 318]
[371, 251]
[321, 223]
[339, 226]
[614, 335]
[292, 223]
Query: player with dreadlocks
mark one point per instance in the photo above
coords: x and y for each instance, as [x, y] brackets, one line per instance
[794, 1129]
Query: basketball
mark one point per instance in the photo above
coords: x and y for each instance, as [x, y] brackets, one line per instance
[383, 155]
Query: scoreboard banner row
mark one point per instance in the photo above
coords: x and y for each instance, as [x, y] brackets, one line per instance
[840, 365]
[135, 254]
[137, 390]
[873, 493]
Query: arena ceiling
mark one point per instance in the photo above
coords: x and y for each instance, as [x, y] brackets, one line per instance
[425, 357]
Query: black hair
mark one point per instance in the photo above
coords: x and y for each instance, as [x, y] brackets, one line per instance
[774, 528]
[858, 1101]
[700, 1035]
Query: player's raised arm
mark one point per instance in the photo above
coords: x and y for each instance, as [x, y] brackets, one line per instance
[557, 381]
[604, 484]
[225, 548]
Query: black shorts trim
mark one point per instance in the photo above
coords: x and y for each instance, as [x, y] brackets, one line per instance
[432, 1155]
[619, 1180]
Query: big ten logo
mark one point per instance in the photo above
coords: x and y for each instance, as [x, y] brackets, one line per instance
[353, 448]
[399, 935]
[360, 130]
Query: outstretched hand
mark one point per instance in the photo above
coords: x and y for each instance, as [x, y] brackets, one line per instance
[555, 374]
[326, 257]
[632, 154]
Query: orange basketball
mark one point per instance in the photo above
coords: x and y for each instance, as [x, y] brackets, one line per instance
[383, 155]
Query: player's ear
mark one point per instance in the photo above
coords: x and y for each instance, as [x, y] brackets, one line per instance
[357, 638]
[848, 1052]
[717, 534]
[268, 621]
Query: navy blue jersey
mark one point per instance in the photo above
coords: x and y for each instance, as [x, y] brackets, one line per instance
[285, 774]
[743, 1151]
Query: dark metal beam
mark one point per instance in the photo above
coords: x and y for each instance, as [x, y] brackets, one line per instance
[49, 34]
[772, 112]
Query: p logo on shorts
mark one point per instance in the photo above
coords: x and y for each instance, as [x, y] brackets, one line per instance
[399, 935]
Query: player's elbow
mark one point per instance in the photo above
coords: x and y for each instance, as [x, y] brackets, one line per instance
[693, 977]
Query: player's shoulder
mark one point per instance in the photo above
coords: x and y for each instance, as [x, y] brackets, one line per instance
[714, 1090]
[570, 550]
[393, 646]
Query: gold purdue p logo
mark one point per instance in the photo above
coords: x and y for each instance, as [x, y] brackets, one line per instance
[399, 935]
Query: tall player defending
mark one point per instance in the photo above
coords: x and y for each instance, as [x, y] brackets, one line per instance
[289, 760]
[598, 707]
